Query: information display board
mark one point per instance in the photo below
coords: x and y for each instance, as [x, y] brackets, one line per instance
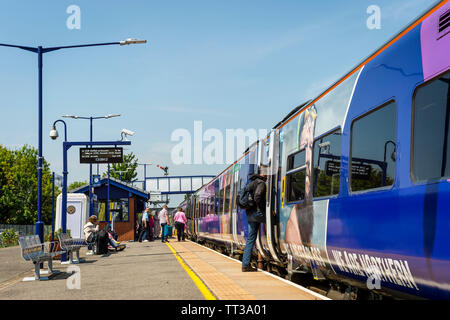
[101, 155]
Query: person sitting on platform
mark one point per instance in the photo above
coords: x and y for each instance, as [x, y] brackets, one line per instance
[90, 230]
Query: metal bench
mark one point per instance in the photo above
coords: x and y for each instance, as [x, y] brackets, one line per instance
[33, 250]
[71, 245]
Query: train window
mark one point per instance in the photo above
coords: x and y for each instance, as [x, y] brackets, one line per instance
[373, 149]
[205, 207]
[431, 112]
[221, 201]
[227, 199]
[327, 164]
[202, 208]
[295, 177]
[296, 160]
[216, 204]
[296, 186]
[235, 187]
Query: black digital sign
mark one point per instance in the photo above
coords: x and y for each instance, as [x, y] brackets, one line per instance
[359, 171]
[101, 155]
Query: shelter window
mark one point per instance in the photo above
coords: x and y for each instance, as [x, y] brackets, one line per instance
[118, 209]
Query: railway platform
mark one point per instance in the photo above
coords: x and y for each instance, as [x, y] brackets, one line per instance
[148, 271]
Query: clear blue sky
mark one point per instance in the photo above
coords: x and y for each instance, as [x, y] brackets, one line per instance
[232, 64]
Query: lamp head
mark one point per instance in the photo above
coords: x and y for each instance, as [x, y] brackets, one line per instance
[132, 41]
[112, 116]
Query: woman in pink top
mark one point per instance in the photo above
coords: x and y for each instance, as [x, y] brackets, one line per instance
[180, 222]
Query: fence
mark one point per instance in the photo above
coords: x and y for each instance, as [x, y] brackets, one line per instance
[24, 230]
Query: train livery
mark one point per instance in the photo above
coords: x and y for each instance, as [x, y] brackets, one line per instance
[358, 188]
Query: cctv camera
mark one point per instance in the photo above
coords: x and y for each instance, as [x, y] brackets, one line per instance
[128, 132]
[54, 133]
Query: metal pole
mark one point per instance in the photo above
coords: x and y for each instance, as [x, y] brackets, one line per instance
[64, 197]
[90, 179]
[107, 201]
[39, 229]
[53, 206]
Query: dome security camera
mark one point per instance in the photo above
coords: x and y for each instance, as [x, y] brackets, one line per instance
[54, 133]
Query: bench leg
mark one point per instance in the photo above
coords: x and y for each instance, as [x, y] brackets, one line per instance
[50, 267]
[70, 258]
[37, 273]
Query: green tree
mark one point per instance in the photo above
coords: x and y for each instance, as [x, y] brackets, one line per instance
[19, 186]
[125, 171]
[75, 185]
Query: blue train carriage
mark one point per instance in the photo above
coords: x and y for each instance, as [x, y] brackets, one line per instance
[365, 171]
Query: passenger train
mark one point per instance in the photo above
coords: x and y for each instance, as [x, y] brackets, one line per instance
[358, 188]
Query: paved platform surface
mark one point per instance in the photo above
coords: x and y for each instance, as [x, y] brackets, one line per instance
[223, 276]
[147, 271]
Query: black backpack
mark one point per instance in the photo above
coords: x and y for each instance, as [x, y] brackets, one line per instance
[245, 200]
[102, 242]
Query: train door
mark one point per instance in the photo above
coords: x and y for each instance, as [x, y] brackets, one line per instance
[272, 227]
[262, 167]
[235, 188]
[429, 194]
[194, 216]
[241, 227]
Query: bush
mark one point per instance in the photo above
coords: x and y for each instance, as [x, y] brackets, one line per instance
[9, 238]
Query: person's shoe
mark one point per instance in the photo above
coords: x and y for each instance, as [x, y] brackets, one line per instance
[145, 241]
[249, 269]
[90, 253]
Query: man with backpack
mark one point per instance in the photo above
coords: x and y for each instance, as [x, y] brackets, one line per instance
[253, 199]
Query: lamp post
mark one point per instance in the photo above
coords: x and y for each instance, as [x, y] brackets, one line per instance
[39, 229]
[54, 135]
[109, 116]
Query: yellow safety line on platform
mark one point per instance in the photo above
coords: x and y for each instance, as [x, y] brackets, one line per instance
[200, 285]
